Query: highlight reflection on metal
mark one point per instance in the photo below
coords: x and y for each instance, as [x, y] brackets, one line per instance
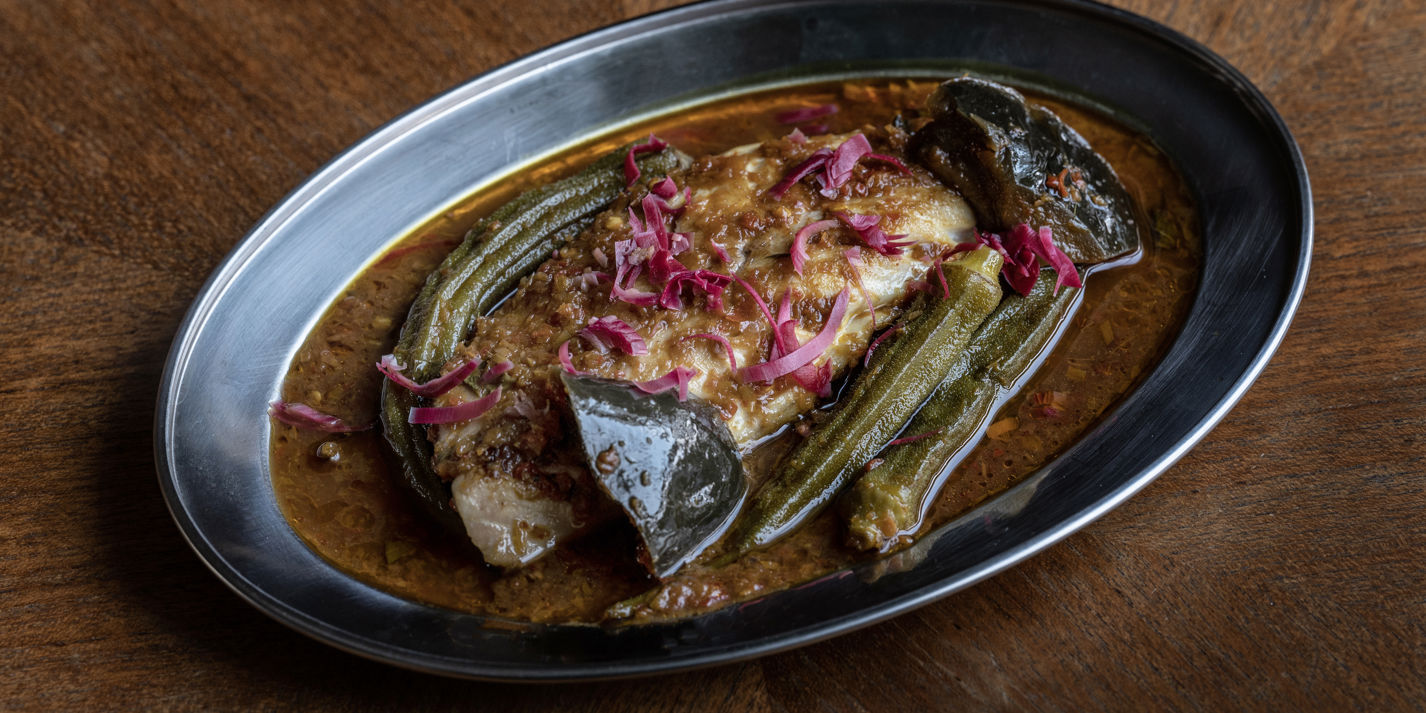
[230, 355]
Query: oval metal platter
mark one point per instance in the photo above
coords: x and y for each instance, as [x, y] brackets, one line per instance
[241, 332]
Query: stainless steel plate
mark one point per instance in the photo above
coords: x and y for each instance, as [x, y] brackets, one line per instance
[231, 353]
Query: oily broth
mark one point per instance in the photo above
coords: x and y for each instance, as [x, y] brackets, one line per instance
[353, 512]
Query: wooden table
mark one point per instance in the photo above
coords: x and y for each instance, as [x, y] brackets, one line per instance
[1278, 566]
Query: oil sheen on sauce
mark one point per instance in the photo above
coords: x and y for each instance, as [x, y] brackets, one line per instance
[340, 496]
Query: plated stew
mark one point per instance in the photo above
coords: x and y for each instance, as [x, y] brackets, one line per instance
[732, 349]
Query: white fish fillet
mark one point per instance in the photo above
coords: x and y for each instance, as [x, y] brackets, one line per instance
[517, 481]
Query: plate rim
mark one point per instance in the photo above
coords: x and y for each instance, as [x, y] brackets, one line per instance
[330, 173]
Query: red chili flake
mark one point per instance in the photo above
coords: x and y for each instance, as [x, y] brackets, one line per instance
[797, 116]
[631, 169]
[1060, 182]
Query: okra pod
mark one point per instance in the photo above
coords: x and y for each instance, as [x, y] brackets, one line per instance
[496, 253]
[879, 403]
[890, 500]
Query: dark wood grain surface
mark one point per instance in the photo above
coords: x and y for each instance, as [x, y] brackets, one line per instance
[1279, 566]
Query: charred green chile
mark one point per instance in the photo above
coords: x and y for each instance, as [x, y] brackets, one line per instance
[879, 402]
[890, 499]
[496, 253]
[671, 465]
[998, 151]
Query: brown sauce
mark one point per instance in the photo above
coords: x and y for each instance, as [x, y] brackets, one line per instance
[340, 496]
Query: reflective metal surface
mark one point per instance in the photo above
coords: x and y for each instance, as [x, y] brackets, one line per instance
[231, 353]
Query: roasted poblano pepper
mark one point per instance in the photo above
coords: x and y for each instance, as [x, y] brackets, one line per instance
[890, 499]
[880, 401]
[671, 465]
[1003, 154]
[472, 279]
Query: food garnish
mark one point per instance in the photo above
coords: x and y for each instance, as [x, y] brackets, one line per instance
[497, 252]
[797, 116]
[1022, 252]
[868, 228]
[799, 241]
[604, 332]
[496, 370]
[732, 358]
[304, 416]
[451, 414]
[676, 378]
[881, 400]
[435, 387]
[854, 261]
[567, 362]
[833, 168]
[797, 357]
[631, 167]
[575, 448]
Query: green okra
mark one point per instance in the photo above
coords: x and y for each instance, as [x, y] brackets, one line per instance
[890, 500]
[879, 403]
[500, 250]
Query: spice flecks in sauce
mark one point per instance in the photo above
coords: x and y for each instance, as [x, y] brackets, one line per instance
[351, 510]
